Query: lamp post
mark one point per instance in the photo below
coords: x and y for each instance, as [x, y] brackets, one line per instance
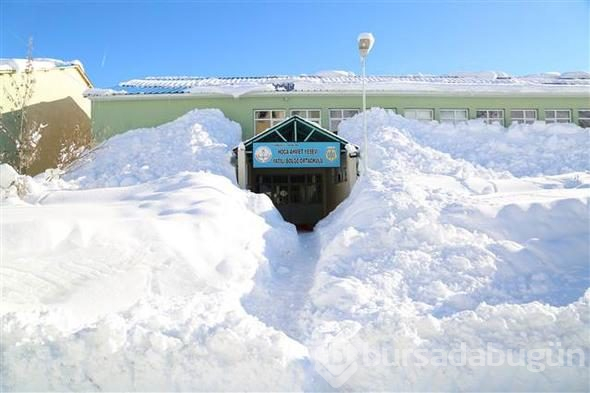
[365, 43]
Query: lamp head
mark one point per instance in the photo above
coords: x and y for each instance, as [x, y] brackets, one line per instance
[365, 43]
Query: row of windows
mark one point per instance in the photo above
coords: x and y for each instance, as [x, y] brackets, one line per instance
[529, 116]
[264, 119]
[490, 116]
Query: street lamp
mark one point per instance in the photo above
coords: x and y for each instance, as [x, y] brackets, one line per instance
[365, 43]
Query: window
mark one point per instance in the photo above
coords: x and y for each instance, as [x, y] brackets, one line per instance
[419, 114]
[340, 174]
[558, 116]
[264, 119]
[584, 118]
[314, 115]
[290, 189]
[491, 116]
[337, 115]
[453, 115]
[523, 116]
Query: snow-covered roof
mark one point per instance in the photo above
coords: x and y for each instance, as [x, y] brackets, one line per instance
[12, 65]
[341, 82]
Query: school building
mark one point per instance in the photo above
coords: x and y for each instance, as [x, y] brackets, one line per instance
[291, 150]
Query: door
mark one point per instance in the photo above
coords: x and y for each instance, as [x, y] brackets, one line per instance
[298, 197]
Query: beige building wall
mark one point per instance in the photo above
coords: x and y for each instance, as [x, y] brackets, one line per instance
[57, 102]
[50, 85]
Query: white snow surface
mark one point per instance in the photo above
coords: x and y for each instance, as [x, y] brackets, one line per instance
[490, 75]
[39, 64]
[523, 150]
[200, 140]
[104, 92]
[430, 251]
[138, 288]
[336, 82]
[178, 280]
[575, 75]
[334, 73]
[8, 176]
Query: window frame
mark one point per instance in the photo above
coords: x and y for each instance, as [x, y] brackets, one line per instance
[490, 121]
[307, 110]
[587, 118]
[430, 110]
[340, 118]
[523, 119]
[454, 110]
[273, 121]
[554, 119]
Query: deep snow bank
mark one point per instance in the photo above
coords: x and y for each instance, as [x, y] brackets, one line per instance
[430, 253]
[199, 140]
[139, 288]
[523, 150]
[17, 189]
[184, 282]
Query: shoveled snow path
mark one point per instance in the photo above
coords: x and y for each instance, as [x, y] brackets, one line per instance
[278, 299]
[185, 282]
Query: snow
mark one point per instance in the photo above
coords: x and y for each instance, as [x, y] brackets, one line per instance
[148, 276]
[576, 75]
[98, 92]
[8, 176]
[19, 189]
[430, 251]
[146, 268]
[199, 140]
[480, 75]
[334, 73]
[523, 150]
[39, 64]
[235, 91]
[548, 75]
[336, 82]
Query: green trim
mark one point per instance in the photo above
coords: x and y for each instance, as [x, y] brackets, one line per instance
[276, 129]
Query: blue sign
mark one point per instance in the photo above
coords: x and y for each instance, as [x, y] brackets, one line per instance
[296, 155]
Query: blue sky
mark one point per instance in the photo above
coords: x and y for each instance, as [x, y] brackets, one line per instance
[118, 40]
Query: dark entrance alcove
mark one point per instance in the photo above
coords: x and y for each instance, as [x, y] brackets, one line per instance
[304, 169]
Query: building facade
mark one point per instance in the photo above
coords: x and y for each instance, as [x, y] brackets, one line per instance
[291, 151]
[260, 103]
[55, 102]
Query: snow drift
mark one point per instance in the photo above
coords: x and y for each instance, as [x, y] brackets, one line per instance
[430, 252]
[150, 270]
[523, 150]
[200, 140]
[139, 287]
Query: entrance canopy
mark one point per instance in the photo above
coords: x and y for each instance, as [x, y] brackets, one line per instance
[295, 129]
[304, 169]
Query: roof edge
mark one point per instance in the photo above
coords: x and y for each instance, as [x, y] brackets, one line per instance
[290, 119]
[573, 93]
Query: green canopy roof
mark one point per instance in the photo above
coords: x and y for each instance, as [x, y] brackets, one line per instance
[295, 129]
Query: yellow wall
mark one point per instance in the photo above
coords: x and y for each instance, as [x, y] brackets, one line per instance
[57, 103]
[50, 85]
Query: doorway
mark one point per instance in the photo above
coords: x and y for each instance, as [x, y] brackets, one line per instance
[298, 197]
[304, 169]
